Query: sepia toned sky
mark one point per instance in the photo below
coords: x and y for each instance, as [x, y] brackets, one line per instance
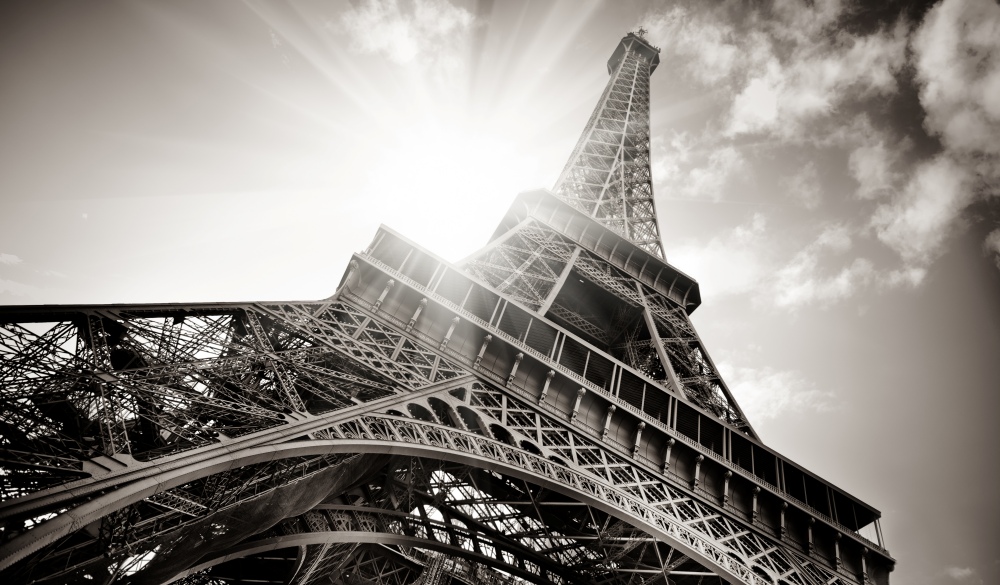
[828, 171]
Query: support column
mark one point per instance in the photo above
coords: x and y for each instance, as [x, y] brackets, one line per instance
[416, 314]
[697, 471]
[447, 336]
[638, 437]
[381, 297]
[482, 351]
[513, 371]
[666, 454]
[559, 282]
[661, 351]
[607, 422]
[576, 405]
[545, 387]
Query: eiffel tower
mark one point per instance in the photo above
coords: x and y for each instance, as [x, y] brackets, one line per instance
[541, 412]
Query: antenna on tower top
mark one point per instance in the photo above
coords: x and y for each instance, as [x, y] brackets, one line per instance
[641, 33]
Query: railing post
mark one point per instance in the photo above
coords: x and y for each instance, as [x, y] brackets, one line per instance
[607, 422]
[638, 436]
[666, 455]
[576, 406]
[697, 471]
[482, 351]
[545, 386]
[381, 297]
[783, 530]
[447, 336]
[513, 371]
[755, 508]
[416, 314]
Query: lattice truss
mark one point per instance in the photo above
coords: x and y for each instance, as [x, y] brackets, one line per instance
[695, 371]
[542, 434]
[122, 384]
[608, 174]
[470, 526]
[526, 265]
[532, 533]
[163, 390]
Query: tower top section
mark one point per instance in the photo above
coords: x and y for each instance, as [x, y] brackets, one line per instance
[637, 43]
[607, 177]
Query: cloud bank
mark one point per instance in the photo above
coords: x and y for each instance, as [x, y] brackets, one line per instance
[9, 259]
[791, 77]
[405, 32]
[766, 394]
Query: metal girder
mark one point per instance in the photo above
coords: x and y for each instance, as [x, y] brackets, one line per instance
[400, 432]
[608, 175]
[486, 519]
[614, 485]
[683, 357]
[588, 467]
[525, 266]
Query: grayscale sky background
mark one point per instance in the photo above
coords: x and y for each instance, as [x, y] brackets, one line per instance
[830, 174]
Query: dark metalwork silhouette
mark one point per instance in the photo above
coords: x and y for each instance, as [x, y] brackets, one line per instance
[542, 412]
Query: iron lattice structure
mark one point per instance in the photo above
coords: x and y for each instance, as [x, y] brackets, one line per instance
[608, 175]
[543, 412]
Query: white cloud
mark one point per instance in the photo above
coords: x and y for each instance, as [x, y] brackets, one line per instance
[766, 393]
[707, 41]
[755, 108]
[919, 219]
[960, 573]
[742, 261]
[871, 165]
[801, 282]
[910, 276]
[405, 32]
[662, 167]
[679, 171]
[804, 286]
[804, 186]
[813, 79]
[803, 21]
[957, 57]
[785, 74]
[876, 157]
[732, 263]
[992, 245]
[785, 66]
[9, 259]
[709, 180]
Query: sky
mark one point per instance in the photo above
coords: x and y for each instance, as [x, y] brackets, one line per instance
[829, 172]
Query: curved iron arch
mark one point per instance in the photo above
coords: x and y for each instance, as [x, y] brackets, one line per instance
[364, 537]
[489, 454]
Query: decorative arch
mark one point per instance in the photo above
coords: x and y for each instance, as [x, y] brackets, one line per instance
[446, 444]
[337, 537]
[418, 412]
[445, 412]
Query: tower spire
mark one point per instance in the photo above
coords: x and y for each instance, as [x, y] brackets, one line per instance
[608, 175]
